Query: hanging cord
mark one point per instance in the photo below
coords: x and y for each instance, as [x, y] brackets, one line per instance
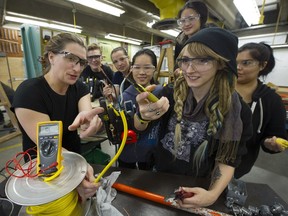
[121, 90]
[123, 117]
[261, 19]
[277, 24]
[109, 82]
[74, 16]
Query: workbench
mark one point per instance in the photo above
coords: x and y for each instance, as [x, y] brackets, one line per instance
[164, 184]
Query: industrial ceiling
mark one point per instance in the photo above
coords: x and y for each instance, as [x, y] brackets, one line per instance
[138, 12]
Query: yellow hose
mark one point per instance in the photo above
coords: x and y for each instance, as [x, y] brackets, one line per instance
[120, 148]
[68, 204]
[64, 206]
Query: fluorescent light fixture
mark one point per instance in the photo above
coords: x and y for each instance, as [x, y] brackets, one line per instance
[123, 39]
[172, 32]
[97, 5]
[249, 11]
[150, 24]
[51, 25]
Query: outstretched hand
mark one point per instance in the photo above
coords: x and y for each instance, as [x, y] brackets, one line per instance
[89, 121]
[151, 111]
[200, 198]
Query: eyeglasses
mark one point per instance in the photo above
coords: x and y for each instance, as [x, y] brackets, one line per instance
[120, 60]
[146, 68]
[199, 63]
[190, 19]
[72, 58]
[90, 58]
[247, 63]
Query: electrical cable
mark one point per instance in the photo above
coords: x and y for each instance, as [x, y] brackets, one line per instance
[125, 133]
[121, 90]
[64, 206]
[109, 82]
[17, 160]
[68, 204]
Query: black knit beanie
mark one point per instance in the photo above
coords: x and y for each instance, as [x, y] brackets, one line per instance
[199, 7]
[221, 41]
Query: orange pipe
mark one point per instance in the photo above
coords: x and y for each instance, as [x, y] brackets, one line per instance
[160, 199]
[141, 193]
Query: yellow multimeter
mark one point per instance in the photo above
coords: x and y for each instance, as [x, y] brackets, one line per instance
[49, 150]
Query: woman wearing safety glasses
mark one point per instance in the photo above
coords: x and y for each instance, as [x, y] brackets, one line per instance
[191, 18]
[140, 153]
[120, 59]
[203, 122]
[58, 95]
[96, 75]
[256, 60]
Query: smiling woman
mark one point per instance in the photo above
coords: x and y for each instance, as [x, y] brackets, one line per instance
[58, 95]
[96, 74]
[140, 154]
[203, 123]
[74, 60]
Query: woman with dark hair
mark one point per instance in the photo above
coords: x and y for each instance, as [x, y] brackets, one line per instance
[191, 18]
[140, 154]
[256, 60]
[204, 124]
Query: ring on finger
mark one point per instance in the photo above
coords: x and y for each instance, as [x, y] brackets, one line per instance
[149, 108]
[157, 112]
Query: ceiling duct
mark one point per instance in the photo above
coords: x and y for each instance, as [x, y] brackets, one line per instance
[168, 12]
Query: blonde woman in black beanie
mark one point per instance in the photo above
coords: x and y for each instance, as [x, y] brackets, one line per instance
[203, 122]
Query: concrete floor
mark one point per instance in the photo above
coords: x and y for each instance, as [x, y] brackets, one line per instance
[269, 169]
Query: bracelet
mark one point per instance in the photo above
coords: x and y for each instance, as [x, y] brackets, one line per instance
[142, 121]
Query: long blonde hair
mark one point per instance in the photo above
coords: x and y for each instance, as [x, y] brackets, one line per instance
[218, 102]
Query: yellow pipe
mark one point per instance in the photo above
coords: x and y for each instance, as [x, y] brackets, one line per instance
[277, 24]
[168, 8]
[261, 20]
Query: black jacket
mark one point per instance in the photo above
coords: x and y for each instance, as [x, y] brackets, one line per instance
[95, 85]
[268, 119]
[166, 162]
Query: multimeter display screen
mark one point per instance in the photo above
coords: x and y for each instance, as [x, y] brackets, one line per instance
[49, 129]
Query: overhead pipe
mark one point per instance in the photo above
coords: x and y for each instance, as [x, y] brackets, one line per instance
[168, 13]
[145, 13]
[168, 8]
[261, 20]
